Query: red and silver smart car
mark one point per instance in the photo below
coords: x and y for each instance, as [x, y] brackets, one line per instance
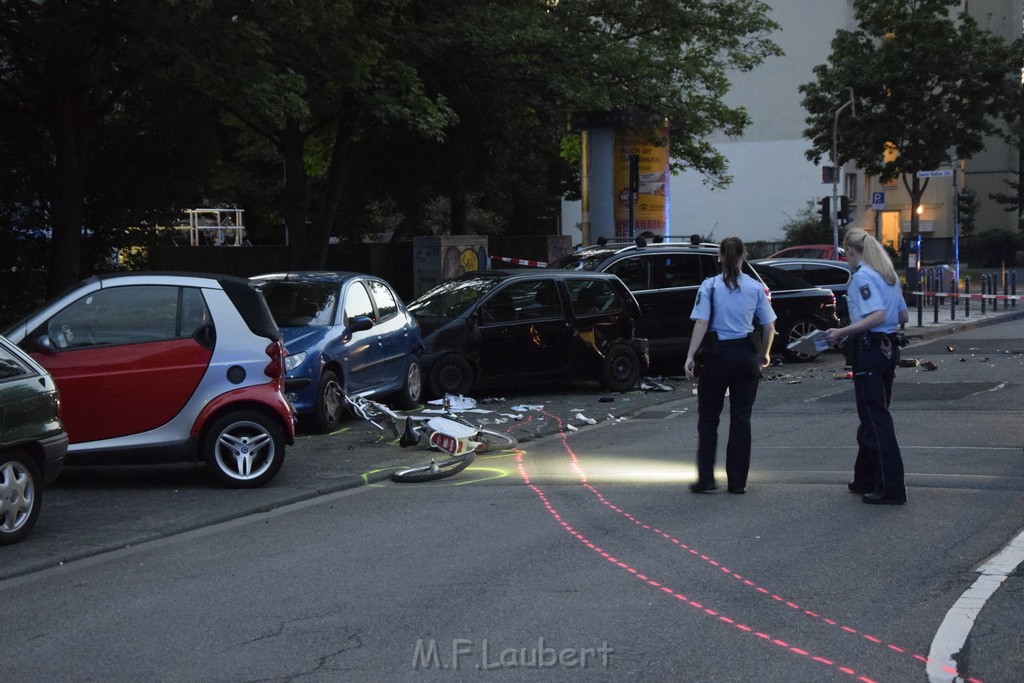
[156, 368]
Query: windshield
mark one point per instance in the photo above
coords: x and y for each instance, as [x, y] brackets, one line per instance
[582, 260]
[450, 299]
[297, 304]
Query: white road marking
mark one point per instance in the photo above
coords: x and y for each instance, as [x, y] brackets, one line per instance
[956, 627]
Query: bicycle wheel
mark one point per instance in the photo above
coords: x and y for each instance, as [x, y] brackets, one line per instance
[435, 470]
[494, 441]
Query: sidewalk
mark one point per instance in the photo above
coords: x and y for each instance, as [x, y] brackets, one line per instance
[93, 510]
[948, 321]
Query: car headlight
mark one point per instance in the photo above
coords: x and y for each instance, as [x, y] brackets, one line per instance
[294, 361]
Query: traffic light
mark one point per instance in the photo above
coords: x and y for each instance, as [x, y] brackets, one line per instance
[965, 208]
[825, 210]
[844, 216]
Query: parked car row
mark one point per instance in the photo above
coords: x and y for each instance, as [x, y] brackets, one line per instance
[147, 368]
[664, 277]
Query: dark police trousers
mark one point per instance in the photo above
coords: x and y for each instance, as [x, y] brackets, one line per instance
[737, 368]
[878, 454]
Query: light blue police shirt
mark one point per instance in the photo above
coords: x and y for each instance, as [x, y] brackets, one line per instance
[869, 292]
[734, 309]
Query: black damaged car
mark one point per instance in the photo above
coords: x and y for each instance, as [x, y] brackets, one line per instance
[509, 327]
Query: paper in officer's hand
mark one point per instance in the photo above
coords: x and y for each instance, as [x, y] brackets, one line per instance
[810, 344]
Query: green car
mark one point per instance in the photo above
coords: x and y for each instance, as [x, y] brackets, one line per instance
[32, 440]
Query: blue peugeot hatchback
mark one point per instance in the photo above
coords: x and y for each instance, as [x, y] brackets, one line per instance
[345, 332]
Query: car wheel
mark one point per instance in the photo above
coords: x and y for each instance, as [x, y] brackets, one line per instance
[620, 369]
[244, 449]
[410, 394]
[21, 496]
[798, 328]
[451, 374]
[329, 405]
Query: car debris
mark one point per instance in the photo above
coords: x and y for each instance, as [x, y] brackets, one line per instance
[588, 420]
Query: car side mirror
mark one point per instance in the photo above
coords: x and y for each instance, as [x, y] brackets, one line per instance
[360, 323]
[44, 345]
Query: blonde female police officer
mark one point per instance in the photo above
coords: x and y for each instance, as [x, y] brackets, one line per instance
[736, 367]
[872, 346]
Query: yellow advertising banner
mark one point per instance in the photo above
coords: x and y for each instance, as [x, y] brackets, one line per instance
[650, 205]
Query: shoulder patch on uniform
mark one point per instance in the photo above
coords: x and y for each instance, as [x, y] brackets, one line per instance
[865, 292]
[698, 297]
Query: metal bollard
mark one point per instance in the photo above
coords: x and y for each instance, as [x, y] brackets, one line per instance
[1013, 288]
[1006, 290]
[952, 300]
[967, 296]
[921, 301]
[995, 292]
[984, 291]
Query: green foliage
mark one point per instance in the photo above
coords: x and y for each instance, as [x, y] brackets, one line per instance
[993, 248]
[372, 109]
[806, 228]
[925, 82]
[760, 249]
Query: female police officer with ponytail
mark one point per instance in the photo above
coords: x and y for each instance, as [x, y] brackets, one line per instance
[872, 346]
[730, 302]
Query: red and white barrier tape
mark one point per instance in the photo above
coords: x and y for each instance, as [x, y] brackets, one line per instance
[960, 295]
[520, 262]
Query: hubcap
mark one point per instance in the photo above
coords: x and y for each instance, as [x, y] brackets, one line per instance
[245, 450]
[332, 402]
[414, 381]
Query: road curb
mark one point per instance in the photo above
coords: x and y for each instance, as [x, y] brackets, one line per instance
[956, 326]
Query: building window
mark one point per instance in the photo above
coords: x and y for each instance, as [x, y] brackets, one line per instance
[851, 186]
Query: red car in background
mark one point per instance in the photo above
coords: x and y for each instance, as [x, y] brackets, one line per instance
[823, 251]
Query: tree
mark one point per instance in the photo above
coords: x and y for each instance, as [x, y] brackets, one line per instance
[806, 228]
[330, 70]
[925, 84]
[66, 69]
[1014, 199]
[513, 73]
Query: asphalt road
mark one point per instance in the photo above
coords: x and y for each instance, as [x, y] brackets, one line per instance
[584, 544]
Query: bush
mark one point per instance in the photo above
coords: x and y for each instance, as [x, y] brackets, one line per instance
[992, 248]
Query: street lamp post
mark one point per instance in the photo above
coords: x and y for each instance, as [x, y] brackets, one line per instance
[847, 94]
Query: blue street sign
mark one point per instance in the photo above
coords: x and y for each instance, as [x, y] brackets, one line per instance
[877, 201]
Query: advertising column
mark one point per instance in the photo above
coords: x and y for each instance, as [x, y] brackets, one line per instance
[651, 204]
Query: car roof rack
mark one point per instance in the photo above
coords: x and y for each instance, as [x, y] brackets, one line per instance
[663, 240]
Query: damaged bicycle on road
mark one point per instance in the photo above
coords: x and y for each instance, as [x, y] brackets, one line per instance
[450, 433]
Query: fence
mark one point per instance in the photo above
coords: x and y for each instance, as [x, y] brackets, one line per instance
[933, 291]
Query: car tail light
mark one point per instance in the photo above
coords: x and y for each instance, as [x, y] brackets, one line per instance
[275, 368]
[768, 293]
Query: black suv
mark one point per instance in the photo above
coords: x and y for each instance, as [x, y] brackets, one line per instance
[505, 327]
[664, 278]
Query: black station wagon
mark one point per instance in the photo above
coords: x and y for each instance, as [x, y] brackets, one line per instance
[664, 278]
[507, 327]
